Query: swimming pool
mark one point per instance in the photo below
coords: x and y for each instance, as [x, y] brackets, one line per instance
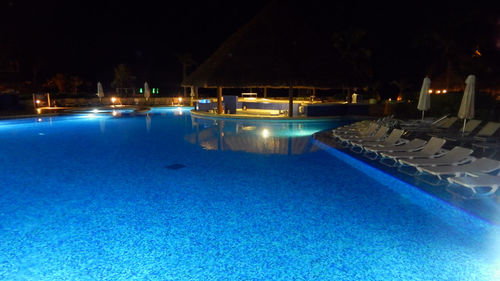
[164, 196]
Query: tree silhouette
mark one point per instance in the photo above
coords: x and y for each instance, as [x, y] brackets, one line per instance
[186, 60]
[75, 82]
[57, 82]
[123, 78]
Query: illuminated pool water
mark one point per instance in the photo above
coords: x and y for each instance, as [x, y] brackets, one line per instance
[163, 196]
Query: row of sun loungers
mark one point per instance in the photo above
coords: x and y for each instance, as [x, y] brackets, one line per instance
[455, 166]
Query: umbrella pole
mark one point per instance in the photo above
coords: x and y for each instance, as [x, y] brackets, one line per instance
[463, 128]
[423, 111]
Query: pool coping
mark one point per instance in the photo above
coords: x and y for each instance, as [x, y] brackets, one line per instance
[215, 116]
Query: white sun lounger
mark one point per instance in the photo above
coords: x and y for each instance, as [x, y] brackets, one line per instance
[351, 127]
[394, 138]
[487, 131]
[359, 134]
[476, 182]
[380, 133]
[421, 123]
[456, 156]
[481, 165]
[413, 145]
[431, 149]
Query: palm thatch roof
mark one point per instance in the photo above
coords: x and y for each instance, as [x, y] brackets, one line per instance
[285, 44]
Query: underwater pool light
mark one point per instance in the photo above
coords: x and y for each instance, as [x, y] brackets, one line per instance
[265, 133]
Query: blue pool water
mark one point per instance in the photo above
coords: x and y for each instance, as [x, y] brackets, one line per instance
[164, 196]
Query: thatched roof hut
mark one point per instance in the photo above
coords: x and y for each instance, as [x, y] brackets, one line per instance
[286, 44]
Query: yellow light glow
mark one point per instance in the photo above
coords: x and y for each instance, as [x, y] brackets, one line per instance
[444, 91]
[430, 91]
[248, 128]
[115, 113]
[39, 110]
[37, 101]
[180, 99]
[265, 133]
[438, 92]
[113, 99]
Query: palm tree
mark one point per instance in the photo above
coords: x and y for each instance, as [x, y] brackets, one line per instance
[123, 78]
[353, 49]
[75, 82]
[186, 60]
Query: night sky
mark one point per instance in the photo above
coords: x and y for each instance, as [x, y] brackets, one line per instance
[89, 39]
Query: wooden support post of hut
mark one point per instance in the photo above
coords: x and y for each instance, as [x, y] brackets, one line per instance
[219, 100]
[290, 101]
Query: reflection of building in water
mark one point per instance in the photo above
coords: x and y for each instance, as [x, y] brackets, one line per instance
[249, 138]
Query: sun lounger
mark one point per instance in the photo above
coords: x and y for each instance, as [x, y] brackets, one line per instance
[422, 123]
[456, 156]
[461, 133]
[380, 133]
[431, 149]
[359, 134]
[481, 165]
[393, 138]
[354, 129]
[487, 131]
[479, 184]
[413, 145]
[351, 127]
[442, 123]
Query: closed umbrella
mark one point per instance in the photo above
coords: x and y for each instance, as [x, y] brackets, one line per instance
[191, 95]
[147, 91]
[466, 110]
[100, 92]
[424, 100]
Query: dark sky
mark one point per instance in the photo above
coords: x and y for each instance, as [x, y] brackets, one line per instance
[89, 38]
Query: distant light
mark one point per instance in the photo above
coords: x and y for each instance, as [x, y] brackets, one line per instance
[113, 99]
[39, 110]
[248, 128]
[37, 101]
[438, 92]
[39, 120]
[114, 113]
[95, 110]
[430, 91]
[444, 91]
[265, 133]
[178, 111]
[180, 99]
[140, 90]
